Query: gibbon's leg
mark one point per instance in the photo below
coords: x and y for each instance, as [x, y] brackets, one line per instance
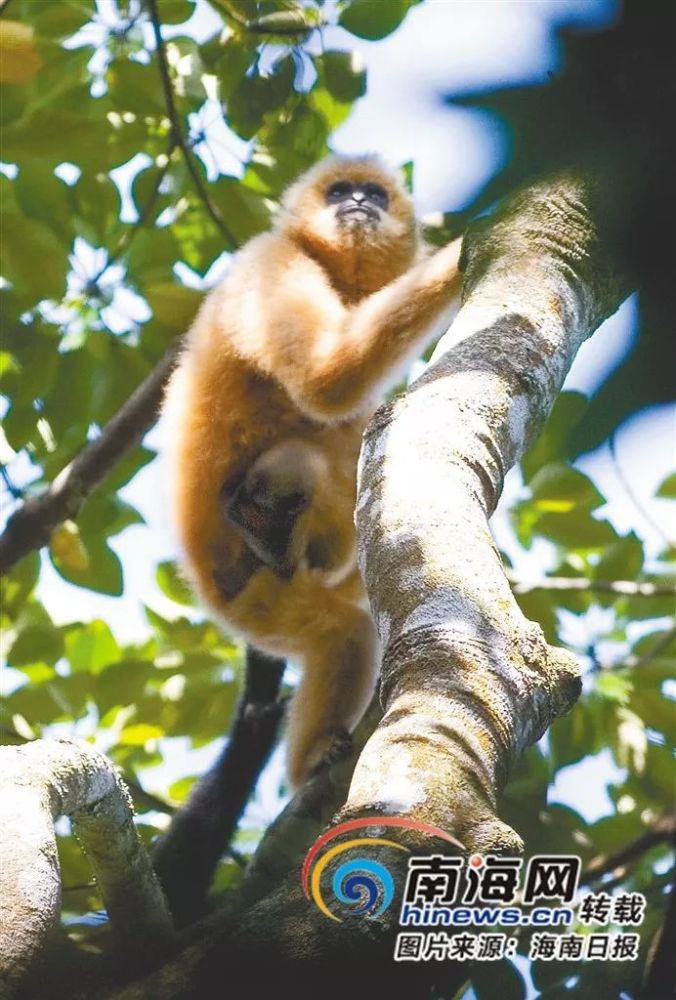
[340, 671]
[266, 507]
[328, 632]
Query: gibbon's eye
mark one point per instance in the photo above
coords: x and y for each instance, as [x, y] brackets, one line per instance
[294, 503]
[376, 194]
[338, 191]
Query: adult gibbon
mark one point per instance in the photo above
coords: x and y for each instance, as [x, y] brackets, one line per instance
[285, 363]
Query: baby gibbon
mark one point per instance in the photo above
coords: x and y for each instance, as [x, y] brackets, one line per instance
[285, 363]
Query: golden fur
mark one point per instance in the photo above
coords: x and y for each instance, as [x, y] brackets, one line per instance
[313, 320]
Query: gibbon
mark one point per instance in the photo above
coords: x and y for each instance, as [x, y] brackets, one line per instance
[284, 365]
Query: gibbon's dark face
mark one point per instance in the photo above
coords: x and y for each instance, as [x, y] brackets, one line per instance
[357, 201]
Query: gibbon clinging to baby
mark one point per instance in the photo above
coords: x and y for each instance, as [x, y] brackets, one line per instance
[284, 365]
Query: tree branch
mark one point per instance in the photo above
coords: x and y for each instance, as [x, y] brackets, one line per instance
[130, 234]
[187, 855]
[468, 682]
[39, 782]
[623, 588]
[31, 526]
[288, 837]
[660, 830]
[633, 496]
[177, 131]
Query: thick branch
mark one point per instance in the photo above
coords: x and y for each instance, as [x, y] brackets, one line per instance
[468, 682]
[39, 782]
[31, 526]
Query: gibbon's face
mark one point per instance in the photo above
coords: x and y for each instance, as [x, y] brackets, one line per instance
[357, 202]
[350, 202]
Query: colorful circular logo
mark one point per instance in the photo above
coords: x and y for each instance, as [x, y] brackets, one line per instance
[364, 885]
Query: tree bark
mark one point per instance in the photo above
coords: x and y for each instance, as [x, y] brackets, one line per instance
[39, 782]
[467, 681]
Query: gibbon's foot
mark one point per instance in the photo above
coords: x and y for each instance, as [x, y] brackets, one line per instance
[329, 750]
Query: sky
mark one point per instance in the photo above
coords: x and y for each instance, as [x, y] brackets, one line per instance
[443, 46]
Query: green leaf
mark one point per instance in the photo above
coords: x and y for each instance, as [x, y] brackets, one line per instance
[121, 684]
[558, 488]
[57, 137]
[57, 21]
[176, 11]
[623, 560]
[306, 133]
[577, 530]
[147, 197]
[256, 96]
[91, 647]
[229, 60]
[374, 19]
[102, 571]
[667, 487]
[343, 73]
[582, 732]
[333, 111]
[179, 790]
[135, 87]
[244, 209]
[172, 584]
[151, 258]
[552, 445]
[97, 206]
[658, 776]
[17, 585]
[33, 259]
[125, 470]
[139, 734]
[43, 196]
[173, 304]
[41, 643]
[613, 687]
[640, 608]
[539, 606]
[657, 711]
[498, 979]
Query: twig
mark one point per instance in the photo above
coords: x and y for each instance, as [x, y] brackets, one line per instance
[128, 236]
[662, 829]
[176, 130]
[624, 588]
[31, 526]
[629, 490]
[187, 856]
[146, 799]
[636, 662]
[13, 490]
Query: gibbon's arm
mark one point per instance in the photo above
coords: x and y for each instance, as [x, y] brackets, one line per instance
[333, 359]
